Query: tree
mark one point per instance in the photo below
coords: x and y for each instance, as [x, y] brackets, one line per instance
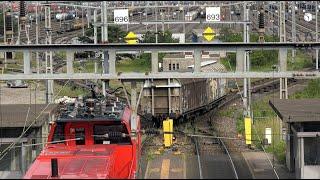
[115, 34]
[166, 37]
[258, 58]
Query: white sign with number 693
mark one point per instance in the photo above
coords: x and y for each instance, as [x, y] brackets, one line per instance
[213, 14]
[121, 16]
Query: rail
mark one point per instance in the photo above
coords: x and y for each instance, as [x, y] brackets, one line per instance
[198, 157]
[231, 161]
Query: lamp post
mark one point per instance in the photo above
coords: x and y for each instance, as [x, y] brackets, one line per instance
[162, 19]
[140, 15]
[146, 14]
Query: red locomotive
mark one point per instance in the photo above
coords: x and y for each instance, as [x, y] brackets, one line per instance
[90, 139]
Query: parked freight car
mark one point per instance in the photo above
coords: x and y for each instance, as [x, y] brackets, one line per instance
[183, 98]
[72, 25]
[65, 16]
[191, 15]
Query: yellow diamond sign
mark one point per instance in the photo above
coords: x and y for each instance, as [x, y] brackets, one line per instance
[131, 38]
[208, 34]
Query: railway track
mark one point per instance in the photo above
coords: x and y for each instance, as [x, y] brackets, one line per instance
[55, 26]
[211, 157]
[213, 152]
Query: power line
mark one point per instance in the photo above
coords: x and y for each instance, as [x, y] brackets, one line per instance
[4, 153]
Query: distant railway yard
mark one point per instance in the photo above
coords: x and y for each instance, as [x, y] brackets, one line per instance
[159, 90]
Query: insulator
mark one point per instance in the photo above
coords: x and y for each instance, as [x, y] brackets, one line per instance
[22, 8]
[261, 20]
[114, 134]
[8, 21]
[152, 131]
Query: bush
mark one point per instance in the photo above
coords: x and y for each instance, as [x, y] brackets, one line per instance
[166, 37]
[279, 151]
[240, 125]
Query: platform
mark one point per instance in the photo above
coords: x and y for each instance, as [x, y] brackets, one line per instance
[168, 166]
[261, 168]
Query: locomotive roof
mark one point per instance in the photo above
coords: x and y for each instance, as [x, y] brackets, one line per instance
[91, 109]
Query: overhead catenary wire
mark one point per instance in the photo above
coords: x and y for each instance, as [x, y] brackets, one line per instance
[52, 142]
[1, 119]
[27, 116]
[4, 153]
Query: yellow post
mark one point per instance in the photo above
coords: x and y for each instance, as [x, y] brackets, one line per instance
[247, 127]
[167, 130]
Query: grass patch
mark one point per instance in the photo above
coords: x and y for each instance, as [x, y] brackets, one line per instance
[85, 67]
[259, 60]
[150, 155]
[137, 65]
[311, 91]
[240, 125]
[279, 150]
[69, 91]
[302, 60]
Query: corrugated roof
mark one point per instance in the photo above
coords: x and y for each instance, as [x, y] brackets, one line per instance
[216, 67]
[211, 66]
[204, 63]
[14, 115]
[297, 110]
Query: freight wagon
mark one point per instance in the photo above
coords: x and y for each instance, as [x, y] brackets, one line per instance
[182, 98]
[192, 15]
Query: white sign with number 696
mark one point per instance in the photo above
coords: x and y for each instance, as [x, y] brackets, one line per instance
[212, 13]
[121, 16]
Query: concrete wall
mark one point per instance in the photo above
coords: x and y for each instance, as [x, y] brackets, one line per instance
[311, 172]
[180, 36]
[183, 63]
[301, 155]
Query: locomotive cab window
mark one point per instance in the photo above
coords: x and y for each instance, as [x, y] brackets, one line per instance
[110, 134]
[80, 136]
[58, 134]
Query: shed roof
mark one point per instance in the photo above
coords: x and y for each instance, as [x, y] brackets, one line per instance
[297, 110]
[15, 115]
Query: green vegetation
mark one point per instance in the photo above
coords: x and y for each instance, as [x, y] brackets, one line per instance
[227, 35]
[279, 151]
[311, 91]
[264, 117]
[166, 37]
[140, 64]
[302, 60]
[85, 67]
[261, 60]
[115, 34]
[69, 91]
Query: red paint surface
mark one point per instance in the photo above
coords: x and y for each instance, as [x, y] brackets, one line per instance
[92, 161]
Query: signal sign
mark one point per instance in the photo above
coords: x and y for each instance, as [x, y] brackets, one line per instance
[121, 16]
[208, 34]
[213, 14]
[307, 17]
[131, 38]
